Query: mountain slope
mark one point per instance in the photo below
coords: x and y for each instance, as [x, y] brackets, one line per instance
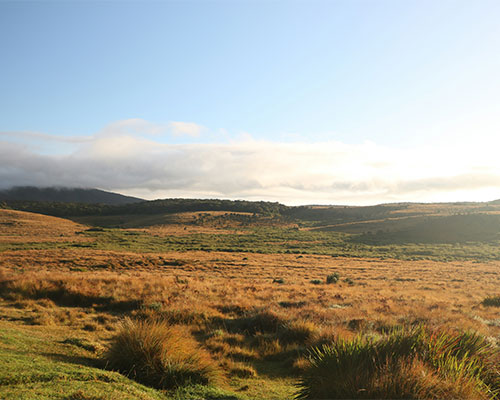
[65, 195]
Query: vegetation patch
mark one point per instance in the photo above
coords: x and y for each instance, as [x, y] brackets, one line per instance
[493, 301]
[63, 293]
[32, 368]
[333, 278]
[415, 363]
[160, 355]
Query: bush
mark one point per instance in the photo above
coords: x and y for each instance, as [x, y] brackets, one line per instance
[349, 281]
[159, 355]
[491, 301]
[316, 281]
[333, 278]
[413, 363]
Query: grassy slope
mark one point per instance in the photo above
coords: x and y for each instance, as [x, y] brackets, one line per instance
[442, 232]
[40, 365]
[36, 367]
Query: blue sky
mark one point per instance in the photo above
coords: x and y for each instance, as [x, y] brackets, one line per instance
[404, 77]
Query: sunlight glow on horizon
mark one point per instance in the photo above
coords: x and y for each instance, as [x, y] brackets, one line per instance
[294, 173]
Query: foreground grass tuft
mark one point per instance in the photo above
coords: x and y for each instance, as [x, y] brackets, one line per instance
[161, 356]
[413, 363]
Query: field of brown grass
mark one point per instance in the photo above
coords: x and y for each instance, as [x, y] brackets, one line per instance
[381, 293]
[254, 313]
[21, 227]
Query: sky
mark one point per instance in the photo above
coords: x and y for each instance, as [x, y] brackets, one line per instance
[302, 102]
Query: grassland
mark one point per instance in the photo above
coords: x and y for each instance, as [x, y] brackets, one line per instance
[419, 239]
[250, 290]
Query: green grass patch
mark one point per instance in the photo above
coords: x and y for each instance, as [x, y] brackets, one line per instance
[276, 239]
[36, 366]
[272, 240]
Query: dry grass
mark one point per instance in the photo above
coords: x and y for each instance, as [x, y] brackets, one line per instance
[234, 303]
[232, 286]
[404, 364]
[20, 227]
[160, 355]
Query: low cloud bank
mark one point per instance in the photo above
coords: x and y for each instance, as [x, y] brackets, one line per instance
[129, 157]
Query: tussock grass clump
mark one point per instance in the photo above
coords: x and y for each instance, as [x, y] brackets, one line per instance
[493, 301]
[404, 363]
[275, 328]
[241, 370]
[159, 355]
[300, 332]
[263, 321]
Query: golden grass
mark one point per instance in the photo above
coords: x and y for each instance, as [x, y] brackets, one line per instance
[221, 284]
[20, 227]
[234, 303]
[159, 355]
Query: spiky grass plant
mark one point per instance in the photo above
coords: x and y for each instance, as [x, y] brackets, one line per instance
[414, 363]
[159, 355]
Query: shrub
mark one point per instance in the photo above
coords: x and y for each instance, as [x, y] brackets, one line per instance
[491, 301]
[316, 281]
[403, 364]
[292, 304]
[333, 278]
[159, 355]
[91, 327]
[349, 281]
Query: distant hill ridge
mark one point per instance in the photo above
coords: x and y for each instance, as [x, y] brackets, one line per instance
[65, 195]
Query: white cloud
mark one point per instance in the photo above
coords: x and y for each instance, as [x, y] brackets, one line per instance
[134, 126]
[185, 129]
[141, 127]
[119, 158]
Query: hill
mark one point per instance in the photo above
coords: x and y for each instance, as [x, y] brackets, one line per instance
[384, 224]
[154, 207]
[65, 195]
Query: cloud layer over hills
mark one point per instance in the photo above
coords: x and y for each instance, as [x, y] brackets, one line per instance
[136, 158]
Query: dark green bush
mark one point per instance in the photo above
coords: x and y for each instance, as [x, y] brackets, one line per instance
[349, 281]
[493, 301]
[333, 278]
